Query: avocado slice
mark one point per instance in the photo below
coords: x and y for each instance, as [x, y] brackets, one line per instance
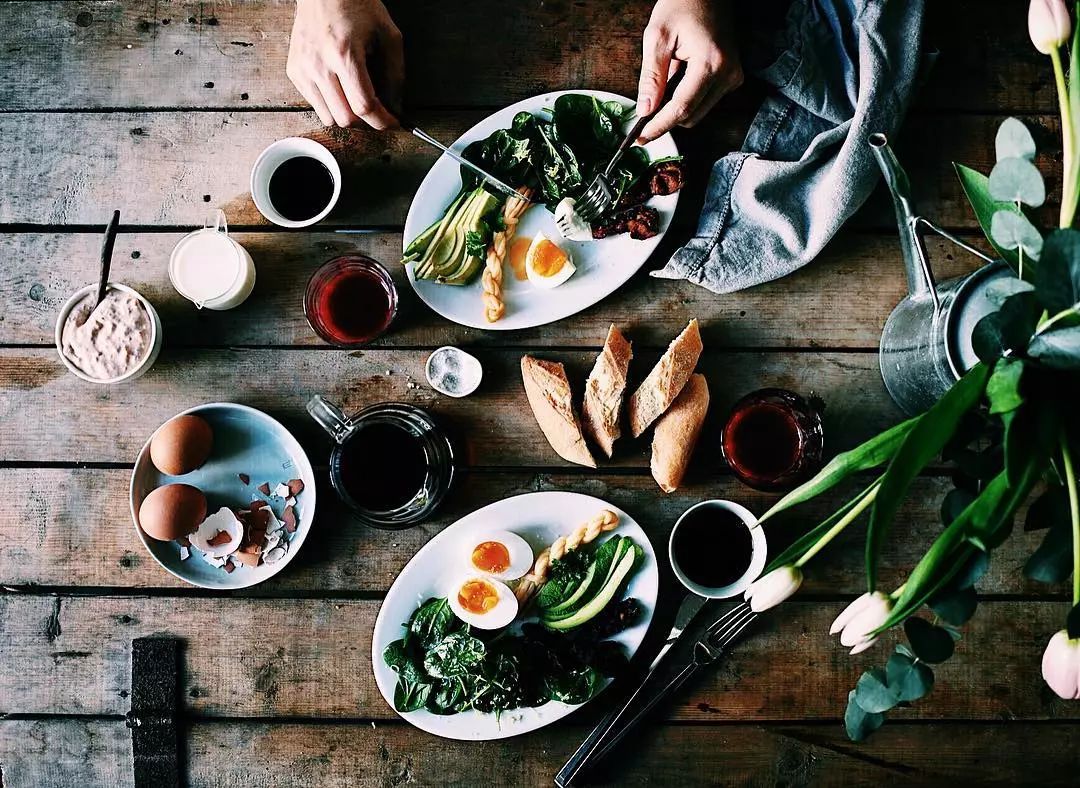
[446, 258]
[605, 560]
[593, 607]
[577, 593]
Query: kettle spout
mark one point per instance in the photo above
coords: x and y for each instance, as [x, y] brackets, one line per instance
[916, 262]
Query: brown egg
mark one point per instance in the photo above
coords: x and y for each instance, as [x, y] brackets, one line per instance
[172, 511]
[181, 445]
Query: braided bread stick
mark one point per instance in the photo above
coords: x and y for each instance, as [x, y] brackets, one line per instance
[494, 306]
[606, 520]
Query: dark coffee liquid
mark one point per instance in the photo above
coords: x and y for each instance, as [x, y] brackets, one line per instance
[300, 188]
[354, 306]
[712, 546]
[382, 466]
[763, 441]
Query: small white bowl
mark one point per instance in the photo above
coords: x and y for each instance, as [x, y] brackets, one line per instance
[273, 157]
[758, 550]
[155, 334]
[470, 365]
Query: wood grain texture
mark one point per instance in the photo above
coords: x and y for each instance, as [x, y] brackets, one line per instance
[841, 301]
[195, 54]
[69, 528]
[169, 168]
[81, 422]
[312, 658]
[78, 753]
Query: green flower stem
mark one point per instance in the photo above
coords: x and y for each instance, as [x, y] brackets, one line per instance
[1045, 325]
[1074, 515]
[896, 594]
[843, 523]
[1068, 182]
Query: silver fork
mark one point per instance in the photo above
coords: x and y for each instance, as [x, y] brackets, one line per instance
[715, 641]
[599, 197]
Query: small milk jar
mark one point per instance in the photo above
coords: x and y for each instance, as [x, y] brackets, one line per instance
[210, 269]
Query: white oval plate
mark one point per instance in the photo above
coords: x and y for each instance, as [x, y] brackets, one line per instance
[602, 266]
[539, 518]
[246, 441]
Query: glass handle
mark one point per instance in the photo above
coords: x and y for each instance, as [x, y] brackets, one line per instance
[330, 418]
[215, 220]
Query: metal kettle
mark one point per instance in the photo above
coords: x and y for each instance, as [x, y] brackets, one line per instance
[926, 343]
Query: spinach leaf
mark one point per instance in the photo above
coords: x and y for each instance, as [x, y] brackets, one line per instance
[573, 686]
[430, 624]
[455, 655]
[563, 577]
[410, 696]
[448, 697]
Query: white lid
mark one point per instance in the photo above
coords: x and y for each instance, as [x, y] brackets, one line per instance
[204, 265]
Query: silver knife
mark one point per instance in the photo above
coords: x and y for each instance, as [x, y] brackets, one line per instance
[509, 191]
[597, 739]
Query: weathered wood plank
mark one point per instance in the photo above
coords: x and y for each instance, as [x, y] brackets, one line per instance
[168, 168]
[69, 527]
[80, 422]
[65, 753]
[192, 54]
[312, 658]
[839, 301]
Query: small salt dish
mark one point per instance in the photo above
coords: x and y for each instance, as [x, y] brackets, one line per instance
[453, 372]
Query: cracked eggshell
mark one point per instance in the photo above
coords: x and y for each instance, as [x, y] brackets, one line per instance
[222, 520]
[282, 491]
[273, 556]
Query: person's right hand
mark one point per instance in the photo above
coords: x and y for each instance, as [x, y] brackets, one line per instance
[336, 48]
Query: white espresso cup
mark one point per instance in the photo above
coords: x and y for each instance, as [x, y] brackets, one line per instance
[273, 157]
[755, 561]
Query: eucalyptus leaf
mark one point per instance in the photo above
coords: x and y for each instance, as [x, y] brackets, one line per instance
[909, 680]
[1057, 278]
[972, 570]
[1051, 507]
[902, 648]
[1007, 330]
[1058, 349]
[922, 444]
[1052, 560]
[954, 502]
[1029, 431]
[1017, 180]
[1072, 622]
[955, 606]
[930, 643]
[873, 694]
[977, 189]
[870, 454]
[858, 723]
[1000, 289]
[1003, 387]
[1013, 231]
[1013, 140]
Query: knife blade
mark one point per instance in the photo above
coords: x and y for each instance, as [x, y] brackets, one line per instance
[597, 740]
[508, 191]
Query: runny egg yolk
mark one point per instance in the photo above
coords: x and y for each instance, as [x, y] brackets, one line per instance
[519, 248]
[493, 557]
[477, 596]
[548, 259]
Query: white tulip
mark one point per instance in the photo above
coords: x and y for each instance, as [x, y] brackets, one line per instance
[1049, 24]
[773, 588]
[1061, 665]
[860, 618]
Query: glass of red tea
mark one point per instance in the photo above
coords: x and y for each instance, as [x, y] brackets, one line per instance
[773, 439]
[350, 301]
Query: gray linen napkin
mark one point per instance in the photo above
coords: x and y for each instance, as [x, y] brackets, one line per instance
[846, 70]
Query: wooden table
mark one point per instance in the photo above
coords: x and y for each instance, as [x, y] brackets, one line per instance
[159, 108]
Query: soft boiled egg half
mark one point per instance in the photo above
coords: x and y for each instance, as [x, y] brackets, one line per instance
[546, 264]
[483, 602]
[501, 554]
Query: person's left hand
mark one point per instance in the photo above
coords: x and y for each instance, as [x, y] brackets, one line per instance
[696, 35]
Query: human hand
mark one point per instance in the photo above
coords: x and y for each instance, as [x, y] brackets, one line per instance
[336, 48]
[698, 36]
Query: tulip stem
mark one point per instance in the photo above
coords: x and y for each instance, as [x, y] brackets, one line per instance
[1068, 181]
[1074, 515]
[840, 525]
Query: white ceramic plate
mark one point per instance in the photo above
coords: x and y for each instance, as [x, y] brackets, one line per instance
[246, 441]
[602, 266]
[539, 518]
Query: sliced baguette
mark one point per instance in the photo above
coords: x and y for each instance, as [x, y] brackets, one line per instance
[549, 396]
[677, 434]
[604, 391]
[666, 380]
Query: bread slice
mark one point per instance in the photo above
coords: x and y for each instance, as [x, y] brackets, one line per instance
[604, 391]
[549, 396]
[666, 380]
[677, 434]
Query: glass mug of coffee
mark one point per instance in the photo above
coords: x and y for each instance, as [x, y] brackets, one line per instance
[392, 464]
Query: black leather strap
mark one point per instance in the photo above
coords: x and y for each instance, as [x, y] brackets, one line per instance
[155, 664]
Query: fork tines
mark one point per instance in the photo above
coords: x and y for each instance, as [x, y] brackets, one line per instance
[729, 626]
